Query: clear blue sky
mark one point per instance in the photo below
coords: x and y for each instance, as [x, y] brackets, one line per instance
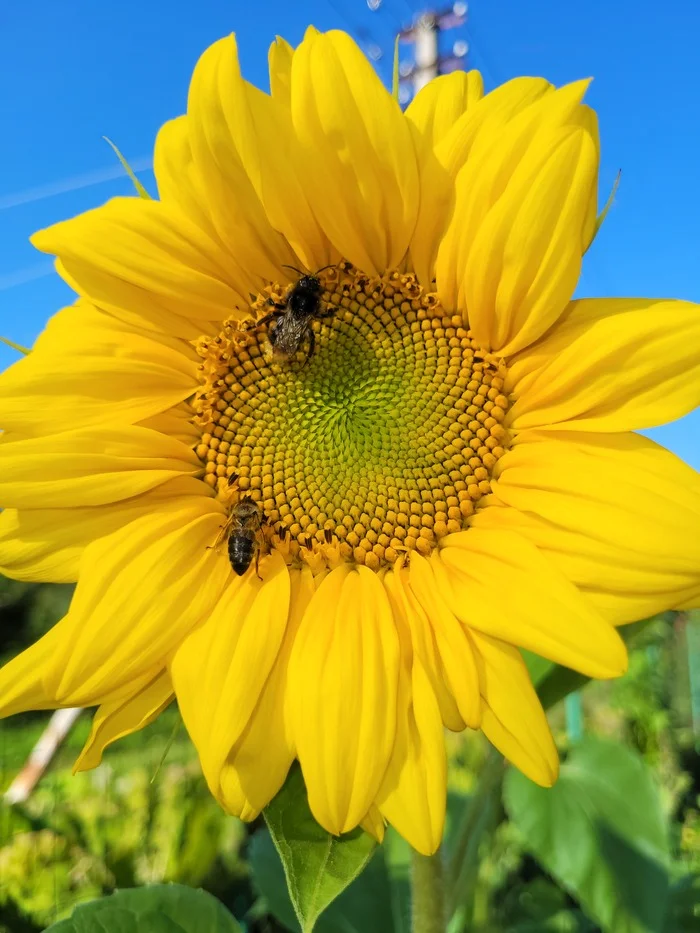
[79, 69]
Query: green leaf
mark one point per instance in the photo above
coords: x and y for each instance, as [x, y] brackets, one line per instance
[155, 908]
[601, 832]
[317, 866]
[365, 906]
[377, 901]
[268, 875]
[683, 913]
[142, 193]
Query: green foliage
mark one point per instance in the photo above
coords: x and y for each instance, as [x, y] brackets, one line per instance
[683, 911]
[156, 908]
[317, 866]
[601, 832]
[81, 836]
[376, 901]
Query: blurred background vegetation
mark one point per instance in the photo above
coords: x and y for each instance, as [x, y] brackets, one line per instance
[145, 815]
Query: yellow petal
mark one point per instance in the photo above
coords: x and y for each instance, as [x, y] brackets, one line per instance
[614, 364]
[177, 423]
[141, 590]
[373, 824]
[129, 304]
[64, 470]
[514, 720]
[154, 252]
[46, 544]
[617, 514]
[500, 584]
[227, 155]
[280, 64]
[413, 794]
[360, 173]
[179, 183]
[343, 681]
[512, 254]
[692, 602]
[103, 331]
[432, 115]
[257, 765]
[22, 684]
[454, 647]
[436, 107]
[107, 374]
[410, 616]
[220, 669]
[281, 172]
[124, 715]
[439, 167]
[487, 119]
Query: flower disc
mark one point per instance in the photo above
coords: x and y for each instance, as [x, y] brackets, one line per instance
[381, 441]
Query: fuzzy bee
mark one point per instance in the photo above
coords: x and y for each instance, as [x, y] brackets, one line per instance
[243, 529]
[290, 322]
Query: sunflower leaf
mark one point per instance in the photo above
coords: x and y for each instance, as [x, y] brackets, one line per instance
[317, 865]
[601, 832]
[377, 901]
[155, 908]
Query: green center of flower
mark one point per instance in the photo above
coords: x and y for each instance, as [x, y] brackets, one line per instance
[383, 441]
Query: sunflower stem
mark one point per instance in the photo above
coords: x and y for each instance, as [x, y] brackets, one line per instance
[427, 892]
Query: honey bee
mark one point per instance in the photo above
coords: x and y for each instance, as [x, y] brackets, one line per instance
[290, 322]
[243, 529]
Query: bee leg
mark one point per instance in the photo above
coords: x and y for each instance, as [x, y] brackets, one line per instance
[223, 532]
[328, 311]
[312, 347]
[272, 316]
[257, 564]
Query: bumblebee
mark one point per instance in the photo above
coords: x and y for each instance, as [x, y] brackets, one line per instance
[290, 322]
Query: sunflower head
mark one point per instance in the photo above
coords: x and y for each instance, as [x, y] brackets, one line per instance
[381, 441]
[342, 341]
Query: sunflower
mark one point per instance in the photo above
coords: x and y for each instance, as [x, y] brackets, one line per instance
[438, 471]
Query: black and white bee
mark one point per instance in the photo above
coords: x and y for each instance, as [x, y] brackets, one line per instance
[290, 322]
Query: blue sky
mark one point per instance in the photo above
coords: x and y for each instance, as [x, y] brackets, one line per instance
[77, 70]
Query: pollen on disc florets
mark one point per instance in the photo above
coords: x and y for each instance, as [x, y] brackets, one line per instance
[382, 443]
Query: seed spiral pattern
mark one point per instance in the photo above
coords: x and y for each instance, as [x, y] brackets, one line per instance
[383, 442]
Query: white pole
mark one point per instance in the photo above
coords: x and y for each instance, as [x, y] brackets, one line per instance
[425, 34]
[58, 728]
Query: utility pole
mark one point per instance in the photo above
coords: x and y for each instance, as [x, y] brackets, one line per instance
[424, 34]
[426, 53]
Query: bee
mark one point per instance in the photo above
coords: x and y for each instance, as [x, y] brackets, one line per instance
[290, 322]
[243, 529]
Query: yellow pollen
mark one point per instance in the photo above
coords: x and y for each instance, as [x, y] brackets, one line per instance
[382, 443]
